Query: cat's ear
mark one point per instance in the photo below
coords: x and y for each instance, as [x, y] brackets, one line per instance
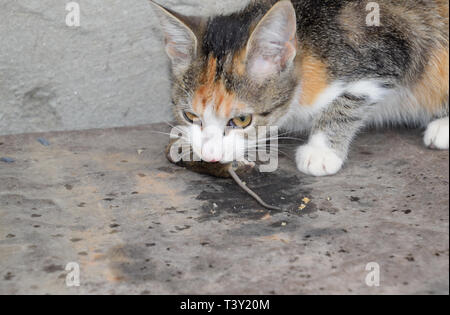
[272, 46]
[180, 40]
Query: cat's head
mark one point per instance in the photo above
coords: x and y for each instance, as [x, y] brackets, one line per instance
[231, 74]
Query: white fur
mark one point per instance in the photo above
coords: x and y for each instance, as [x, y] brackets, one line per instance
[398, 106]
[300, 117]
[368, 88]
[390, 106]
[317, 158]
[437, 134]
[212, 143]
[335, 90]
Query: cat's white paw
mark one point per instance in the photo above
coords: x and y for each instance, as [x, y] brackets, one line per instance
[437, 134]
[317, 159]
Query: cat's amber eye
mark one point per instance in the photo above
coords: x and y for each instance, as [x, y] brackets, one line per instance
[190, 117]
[242, 121]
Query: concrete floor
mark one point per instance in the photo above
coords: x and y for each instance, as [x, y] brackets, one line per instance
[137, 225]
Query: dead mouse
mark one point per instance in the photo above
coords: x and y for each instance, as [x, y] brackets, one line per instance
[230, 170]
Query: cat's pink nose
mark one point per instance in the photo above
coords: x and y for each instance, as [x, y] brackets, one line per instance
[210, 159]
[211, 155]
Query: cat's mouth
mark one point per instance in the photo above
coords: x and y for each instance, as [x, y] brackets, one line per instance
[219, 151]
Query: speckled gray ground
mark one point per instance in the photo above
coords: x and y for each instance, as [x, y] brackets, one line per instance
[138, 225]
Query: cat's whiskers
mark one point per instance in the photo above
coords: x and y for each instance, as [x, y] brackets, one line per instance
[275, 154]
[174, 127]
[168, 134]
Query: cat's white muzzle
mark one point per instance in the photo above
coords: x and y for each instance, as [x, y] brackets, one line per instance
[212, 145]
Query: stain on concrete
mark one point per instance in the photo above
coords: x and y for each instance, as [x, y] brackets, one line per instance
[53, 268]
[130, 263]
[41, 97]
[8, 276]
[282, 189]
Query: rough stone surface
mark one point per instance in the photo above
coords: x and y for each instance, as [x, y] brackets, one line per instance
[109, 72]
[138, 225]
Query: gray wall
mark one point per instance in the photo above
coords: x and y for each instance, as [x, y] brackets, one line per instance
[111, 71]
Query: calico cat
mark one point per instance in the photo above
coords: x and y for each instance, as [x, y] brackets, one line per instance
[313, 65]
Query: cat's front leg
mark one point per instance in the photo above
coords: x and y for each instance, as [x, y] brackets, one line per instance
[331, 135]
[437, 135]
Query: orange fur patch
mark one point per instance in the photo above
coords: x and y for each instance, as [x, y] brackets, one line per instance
[314, 77]
[211, 71]
[239, 66]
[443, 8]
[213, 93]
[432, 90]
